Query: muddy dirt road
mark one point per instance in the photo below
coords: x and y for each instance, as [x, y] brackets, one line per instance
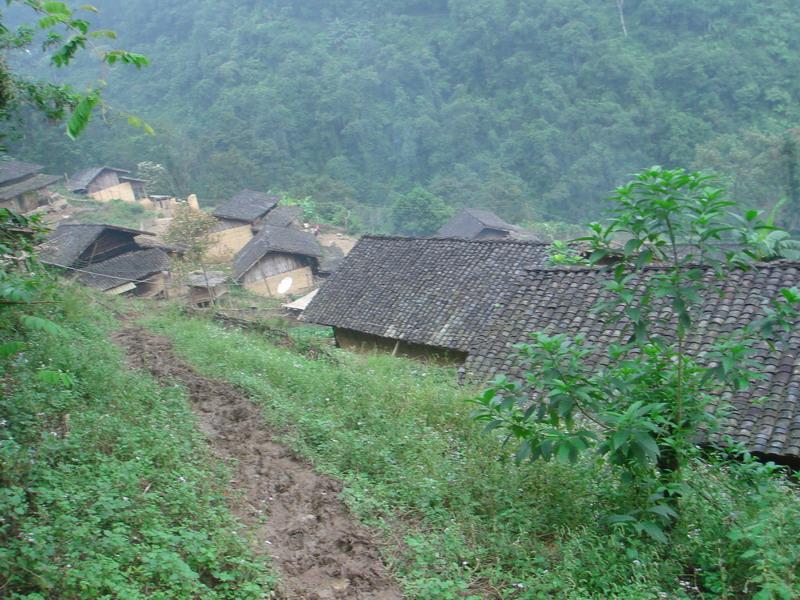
[317, 546]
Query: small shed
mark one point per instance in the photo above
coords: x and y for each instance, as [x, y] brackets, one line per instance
[143, 273]
[21, 185]
[107, 183]
[278, 261]
[205, 288]
[236, 220]
[78, 245]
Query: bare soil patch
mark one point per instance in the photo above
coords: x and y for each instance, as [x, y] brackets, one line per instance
[320, 549]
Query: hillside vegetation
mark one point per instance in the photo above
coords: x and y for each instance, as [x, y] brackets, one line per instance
[534, 108]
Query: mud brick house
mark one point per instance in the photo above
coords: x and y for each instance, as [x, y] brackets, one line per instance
[21, 185]
[238, 218]
[142, 273]
[107, 183]
[278, 261]
[419, 297]
[206, 288]
[78, 245]
[766, 418]
[475, 224]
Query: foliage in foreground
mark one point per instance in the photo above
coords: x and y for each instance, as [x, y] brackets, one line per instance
[644, 411]
[106, 489]
[399, 435]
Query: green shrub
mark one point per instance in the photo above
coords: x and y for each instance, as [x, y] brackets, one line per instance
[106, 486]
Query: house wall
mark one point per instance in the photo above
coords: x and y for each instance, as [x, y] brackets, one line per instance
[274, 263]
[22, 203]
[122, 191]
[294, 282]
[105, 179]
[364, 342]
[226, 243]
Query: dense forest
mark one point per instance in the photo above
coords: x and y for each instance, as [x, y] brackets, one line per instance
[532, 108]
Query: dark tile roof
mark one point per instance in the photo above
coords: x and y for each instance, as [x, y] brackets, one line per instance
[469, 222]
[436, 292]
[12, 170]
[332, 259]
[275, 239]
[283, 216]
[65, 245]
[31, 184]
[130, 267]
[247, 206]
[560, 300]
[80, 181]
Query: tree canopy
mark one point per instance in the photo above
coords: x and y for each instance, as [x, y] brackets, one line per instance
[532, 108]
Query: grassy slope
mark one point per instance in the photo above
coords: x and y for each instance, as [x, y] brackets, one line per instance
[107, 487]
[398, 433]
[468, 523]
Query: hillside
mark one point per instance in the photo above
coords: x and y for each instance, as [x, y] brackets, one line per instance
[533, 108]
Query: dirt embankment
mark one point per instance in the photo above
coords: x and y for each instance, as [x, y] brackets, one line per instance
[294, 514]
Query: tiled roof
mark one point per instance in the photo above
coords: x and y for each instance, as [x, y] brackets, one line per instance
[11, 170]
[332, 258]
[560, 300]
[247, 206]
[275, 239]
[30, 184]
[129, 267]
[436, 292]
[469, 222]
[80, 181]
[283, 216]
[69, 241]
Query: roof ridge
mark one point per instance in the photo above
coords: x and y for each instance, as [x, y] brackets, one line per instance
[593, 268]
[455, 239]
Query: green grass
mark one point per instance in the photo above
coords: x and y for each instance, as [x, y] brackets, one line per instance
[398, 433]
[113, 212]
[108, 490]
[461, 520]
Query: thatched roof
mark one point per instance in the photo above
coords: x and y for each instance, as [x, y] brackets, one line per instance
[246, 206]
[560, 300]
[275, 239]
[436, 292]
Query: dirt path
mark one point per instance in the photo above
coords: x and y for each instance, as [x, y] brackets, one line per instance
[321, 551]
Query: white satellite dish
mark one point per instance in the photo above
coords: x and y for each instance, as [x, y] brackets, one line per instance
[285, 285]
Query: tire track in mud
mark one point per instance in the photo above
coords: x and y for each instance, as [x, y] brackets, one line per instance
[321, 551]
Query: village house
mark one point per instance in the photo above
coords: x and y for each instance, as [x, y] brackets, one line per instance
[141, 273]
[765, 418]
[107, 183]
[475, 224]
[471, 302]
[284, 216]
[278, 261]
[22, 185]
[237, 220]
[109, 258]
[419, 297]
[77, 245]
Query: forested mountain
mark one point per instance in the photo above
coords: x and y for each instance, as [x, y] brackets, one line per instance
[533, 108]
